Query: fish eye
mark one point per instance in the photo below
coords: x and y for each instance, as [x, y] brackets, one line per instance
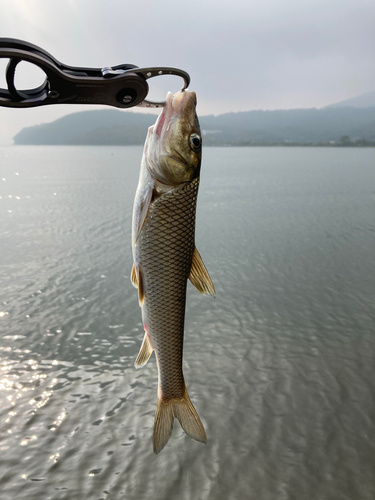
[195, 141]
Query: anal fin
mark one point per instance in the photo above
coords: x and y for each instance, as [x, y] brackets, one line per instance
[144, 353]
[199, 275]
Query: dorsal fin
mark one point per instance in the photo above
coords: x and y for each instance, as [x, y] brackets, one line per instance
[199, 275]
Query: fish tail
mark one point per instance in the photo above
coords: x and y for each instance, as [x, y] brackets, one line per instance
[182, 409]
[189, 419]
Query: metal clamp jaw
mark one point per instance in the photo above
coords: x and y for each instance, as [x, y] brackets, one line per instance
[122, 86]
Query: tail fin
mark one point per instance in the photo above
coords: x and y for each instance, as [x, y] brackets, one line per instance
[184, 411]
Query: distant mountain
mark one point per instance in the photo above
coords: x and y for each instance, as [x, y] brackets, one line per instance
[111, 126]
[361, 101]
[290, 126]
[104, 126]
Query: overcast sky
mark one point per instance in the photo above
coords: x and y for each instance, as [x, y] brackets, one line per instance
[240, 54]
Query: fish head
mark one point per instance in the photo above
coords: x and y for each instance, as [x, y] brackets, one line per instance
[173, 146]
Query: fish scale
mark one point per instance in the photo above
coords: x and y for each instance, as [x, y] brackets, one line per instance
[166, 248]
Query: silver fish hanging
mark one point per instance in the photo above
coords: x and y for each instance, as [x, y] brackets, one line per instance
[165, 256]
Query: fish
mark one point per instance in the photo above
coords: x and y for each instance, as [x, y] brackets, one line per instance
[165, 256]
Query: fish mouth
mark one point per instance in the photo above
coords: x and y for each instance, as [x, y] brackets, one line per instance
[179, 99]
[174, 104]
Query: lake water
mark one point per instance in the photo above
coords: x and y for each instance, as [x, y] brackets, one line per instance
[280, 366]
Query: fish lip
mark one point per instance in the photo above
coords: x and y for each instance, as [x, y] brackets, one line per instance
[173, 105]
[180, 98]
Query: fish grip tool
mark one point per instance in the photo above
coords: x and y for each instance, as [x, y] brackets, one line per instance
[122, 86]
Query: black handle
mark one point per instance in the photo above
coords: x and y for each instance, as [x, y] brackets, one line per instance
[122, 86]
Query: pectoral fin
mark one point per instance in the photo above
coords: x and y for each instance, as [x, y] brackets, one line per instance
[199, 275]
[141, 293]
[145, 205]
[144, 353]
[133, 277]
[136, 277]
